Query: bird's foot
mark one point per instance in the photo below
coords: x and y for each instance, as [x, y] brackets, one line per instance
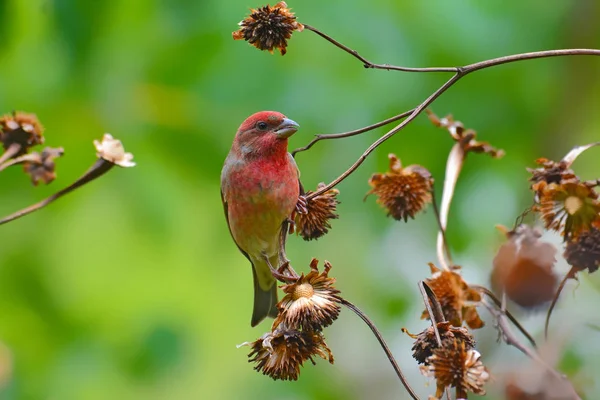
[302, 205]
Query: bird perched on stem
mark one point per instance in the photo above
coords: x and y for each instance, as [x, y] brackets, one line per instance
[260, 189]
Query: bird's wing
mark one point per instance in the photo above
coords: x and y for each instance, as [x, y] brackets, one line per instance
[293, 161]
[224, 200]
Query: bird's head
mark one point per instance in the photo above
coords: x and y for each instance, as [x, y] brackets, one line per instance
[265, 133]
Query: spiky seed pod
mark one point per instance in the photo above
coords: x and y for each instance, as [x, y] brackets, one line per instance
[310, 303]
[426, 341]
[23, 129]
[280, 353]
[457, 299]
[314, 223]
[268, 28]
[584, 251]
[403, 192]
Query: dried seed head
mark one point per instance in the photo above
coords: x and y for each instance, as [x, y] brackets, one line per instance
[466, 137]
[315, 222]
[426, 341]
[280, 353]
[311, 303]
[403, 192]
[41, 167]
[551, 172]
[455, 366]
[268, 28]
[21, 128]
[523, 268]
[569, 208]
[457, 299]
[583, 252]
[112, 150]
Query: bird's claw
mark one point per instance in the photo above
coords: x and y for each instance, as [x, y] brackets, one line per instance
[302, 205]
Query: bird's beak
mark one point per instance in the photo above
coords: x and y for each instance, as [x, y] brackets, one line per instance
[286, 129]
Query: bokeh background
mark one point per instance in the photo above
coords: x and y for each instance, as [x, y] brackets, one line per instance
[131, 288]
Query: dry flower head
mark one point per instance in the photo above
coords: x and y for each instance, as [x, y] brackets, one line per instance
[269, 28]
[112, 150]
[583, 252]
[21, 128]
[569, 208]
[523, 268]
[280, 353]
[314, 223]
[41, 166]
[403, 192]
[551, 172]
[455, 366]
[457, 299]
[311, 303]
[466, 137]
[426, 341]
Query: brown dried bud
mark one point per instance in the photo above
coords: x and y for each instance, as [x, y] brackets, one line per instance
[523, 268]
[551, 172]
[23, 129]
[280, 353]
[268, 28]
[455, 366]
[569, 208]
[457, 299]
[310, 303]
[41, 167]
[403, 192]
[466, 137]
[314, 223]
[584, 251]
[426, 341]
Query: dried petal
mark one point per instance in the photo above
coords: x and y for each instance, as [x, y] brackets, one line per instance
[310, 303]
[314, 223]
[523, 268]
[268, 28]
[403, 192]
[426, 341]
[41, 167]
[112, 150]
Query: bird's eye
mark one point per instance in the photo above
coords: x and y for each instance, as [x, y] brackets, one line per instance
[262, 125]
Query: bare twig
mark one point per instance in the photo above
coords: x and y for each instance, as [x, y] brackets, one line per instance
[511, 339]
[460, 72]
[99, 168]
[383, 345]
[351, 133]
[570, 275]
[9, 153]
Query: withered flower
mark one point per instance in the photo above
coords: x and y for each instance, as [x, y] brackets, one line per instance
[280, 353]
[314, 223]
[466, 137]
[583, 252]
[268, 28]
[551, 172]
[41, 167]
[112, 150]
[569, 208]
[455, 366]
[403, 192]
[426, 341]
[457, 299]
[523, 268]
[311, 303]
[22, 129]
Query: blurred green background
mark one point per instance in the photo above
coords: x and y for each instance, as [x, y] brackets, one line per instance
[131, 288]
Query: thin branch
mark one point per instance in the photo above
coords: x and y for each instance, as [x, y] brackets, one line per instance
[570, 275]
[460, 72]
[351, 133]
[383, 344]
[99, 168]
[512, 319]
[511, 339]
[9, 153]
[369, 64]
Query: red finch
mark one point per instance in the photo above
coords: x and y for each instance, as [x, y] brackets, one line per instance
[260, 189]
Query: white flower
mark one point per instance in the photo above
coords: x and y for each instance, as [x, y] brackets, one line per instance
[112, 150]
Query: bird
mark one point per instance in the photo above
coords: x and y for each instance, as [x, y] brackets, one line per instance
[260, 188]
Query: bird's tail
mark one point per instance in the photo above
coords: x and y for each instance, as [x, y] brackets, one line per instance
[265, 301]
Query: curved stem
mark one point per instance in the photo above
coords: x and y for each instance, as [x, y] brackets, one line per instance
[12, 150]
[351, 133]
[383, 344]
[569, 275]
